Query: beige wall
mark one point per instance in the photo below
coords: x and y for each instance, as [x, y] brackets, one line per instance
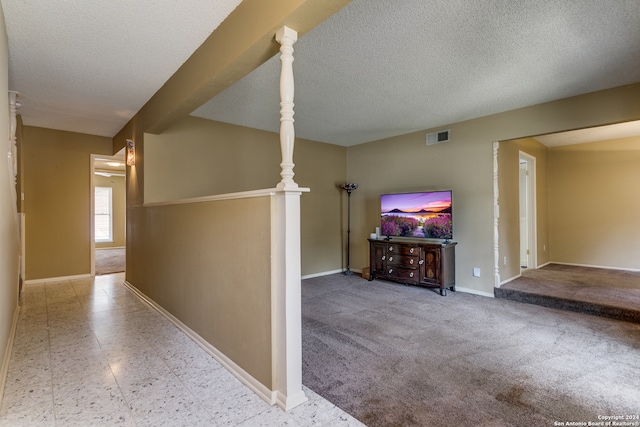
[9, 245]
[572, 183]
[117, 183]
[465, 165]
[321, 167]
[594, 201]
[509, 222]
[404, 164]
[197, 157]
[205, 263]
[57, 205]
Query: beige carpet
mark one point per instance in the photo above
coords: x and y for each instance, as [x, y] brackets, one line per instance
[110, 260]
[597, 291]
[395, 355]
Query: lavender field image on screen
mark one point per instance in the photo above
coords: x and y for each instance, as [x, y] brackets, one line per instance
[426, 214]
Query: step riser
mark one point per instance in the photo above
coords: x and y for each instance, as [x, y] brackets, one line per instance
[601, 310]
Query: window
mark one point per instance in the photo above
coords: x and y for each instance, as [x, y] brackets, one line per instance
[103, 223]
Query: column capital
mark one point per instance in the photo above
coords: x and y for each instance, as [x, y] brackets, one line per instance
[286, 33]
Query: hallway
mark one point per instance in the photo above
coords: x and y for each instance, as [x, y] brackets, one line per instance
[90, 352]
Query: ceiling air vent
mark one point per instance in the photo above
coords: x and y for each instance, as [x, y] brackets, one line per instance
[438, 137]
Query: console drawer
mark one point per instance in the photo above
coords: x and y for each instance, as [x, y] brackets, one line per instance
[402, 260]
[400, 249]
[404, 275]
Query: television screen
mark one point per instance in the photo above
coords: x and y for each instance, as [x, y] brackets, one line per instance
[425, 214]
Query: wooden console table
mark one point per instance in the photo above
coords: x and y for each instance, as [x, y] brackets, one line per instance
[430, 265]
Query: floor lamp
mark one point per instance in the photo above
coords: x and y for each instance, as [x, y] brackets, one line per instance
[348, 188]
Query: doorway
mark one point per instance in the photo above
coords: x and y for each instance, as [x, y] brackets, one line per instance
[108, 206]
[527, 203]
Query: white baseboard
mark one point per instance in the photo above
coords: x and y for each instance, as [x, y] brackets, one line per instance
[111, 247]
[287, 403]
[324, 273]
[4, 369]
[606, 267]
[504, 282]
[57, 279]
[257, 387]
[474, 292]
[330, 272]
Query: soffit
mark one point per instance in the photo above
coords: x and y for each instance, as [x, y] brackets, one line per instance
[600, 133]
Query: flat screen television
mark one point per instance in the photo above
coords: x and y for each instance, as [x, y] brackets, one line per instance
[425, 214]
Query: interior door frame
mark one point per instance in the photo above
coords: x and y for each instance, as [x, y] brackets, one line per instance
[531, 207]
[117, 158]
[92, 212]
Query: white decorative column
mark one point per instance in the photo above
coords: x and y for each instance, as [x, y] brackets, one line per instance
[286, 300]
[286, 37]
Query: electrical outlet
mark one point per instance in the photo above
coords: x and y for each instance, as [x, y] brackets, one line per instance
[505, 261]
[476, 272]
[544, 248]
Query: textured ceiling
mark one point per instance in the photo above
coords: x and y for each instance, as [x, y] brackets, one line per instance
[375, 69]
[382, 68]
[112, 165]
[88, 66]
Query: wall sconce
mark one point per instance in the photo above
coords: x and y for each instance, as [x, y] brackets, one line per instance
[131, 152]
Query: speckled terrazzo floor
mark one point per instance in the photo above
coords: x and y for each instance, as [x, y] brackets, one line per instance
[89, 352]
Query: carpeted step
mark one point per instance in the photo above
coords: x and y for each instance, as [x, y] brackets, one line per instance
[602, 310]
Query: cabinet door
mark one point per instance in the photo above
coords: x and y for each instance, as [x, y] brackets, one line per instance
[378, 258]
[430, 265]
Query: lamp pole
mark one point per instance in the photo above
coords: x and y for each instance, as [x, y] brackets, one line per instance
[348, 188]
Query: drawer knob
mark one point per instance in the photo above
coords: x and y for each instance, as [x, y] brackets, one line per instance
[383, 257]
[391, 258]
[411, 261]
[390, 248]
[411, 250]
[390, 270]
[411, 275]
[421, 262]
